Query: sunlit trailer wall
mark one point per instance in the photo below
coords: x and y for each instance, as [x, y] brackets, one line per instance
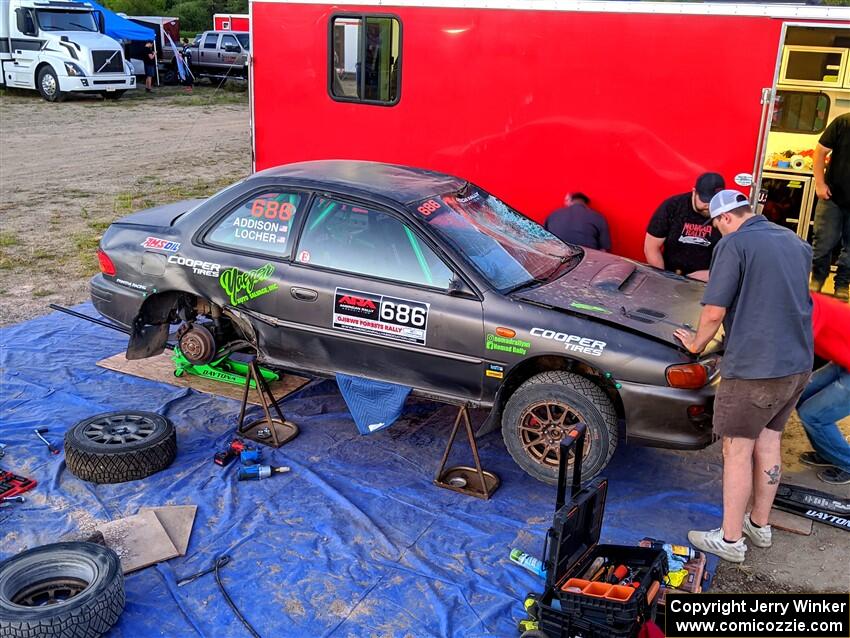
[625, 101]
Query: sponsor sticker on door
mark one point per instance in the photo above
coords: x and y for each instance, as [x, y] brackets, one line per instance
[380, 315]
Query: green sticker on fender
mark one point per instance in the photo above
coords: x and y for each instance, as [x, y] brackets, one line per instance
[242, 286]
[506, 344]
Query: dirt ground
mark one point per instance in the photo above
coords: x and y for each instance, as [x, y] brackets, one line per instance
[68, 170]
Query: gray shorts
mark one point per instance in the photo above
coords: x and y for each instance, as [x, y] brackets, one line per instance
[745, 407]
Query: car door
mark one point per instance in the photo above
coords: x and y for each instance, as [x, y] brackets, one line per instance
[230, 50]
[240, 259]
[208, 51]
[370, 297]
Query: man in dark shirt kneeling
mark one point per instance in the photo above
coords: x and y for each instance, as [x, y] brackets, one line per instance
[678, 238]
[577, 223]
[758, 290]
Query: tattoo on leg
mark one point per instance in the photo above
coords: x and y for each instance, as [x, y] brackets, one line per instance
[773, 475]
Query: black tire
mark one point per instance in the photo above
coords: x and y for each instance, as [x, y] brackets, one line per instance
[48, 85]
[120, 446]
[169, 76]
[63, 590]
[582, 400]
[111, 95]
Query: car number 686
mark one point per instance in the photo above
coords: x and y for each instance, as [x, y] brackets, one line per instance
[402, 313]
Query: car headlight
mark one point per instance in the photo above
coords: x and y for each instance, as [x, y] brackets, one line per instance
[73, 70]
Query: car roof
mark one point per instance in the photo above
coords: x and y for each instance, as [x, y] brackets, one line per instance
[403, 184]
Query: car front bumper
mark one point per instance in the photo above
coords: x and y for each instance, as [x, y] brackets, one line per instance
[660, 416]
[117, 303]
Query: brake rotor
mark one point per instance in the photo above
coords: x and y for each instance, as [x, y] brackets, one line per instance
[198, 345]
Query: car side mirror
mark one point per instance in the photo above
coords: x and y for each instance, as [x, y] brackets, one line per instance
[231, 48]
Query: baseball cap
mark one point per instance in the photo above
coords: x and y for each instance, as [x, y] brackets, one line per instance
[707, 185]
[724, 202]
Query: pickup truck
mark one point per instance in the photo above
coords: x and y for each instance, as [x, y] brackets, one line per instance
[220, 55]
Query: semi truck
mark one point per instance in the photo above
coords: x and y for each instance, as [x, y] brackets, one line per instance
[58, 47]
[625, 101]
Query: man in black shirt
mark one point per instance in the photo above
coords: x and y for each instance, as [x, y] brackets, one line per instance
[832, 215]
[677, 238]
[578, 224]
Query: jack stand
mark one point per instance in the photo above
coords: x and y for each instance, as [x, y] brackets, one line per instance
[265, 430]
[466, 480]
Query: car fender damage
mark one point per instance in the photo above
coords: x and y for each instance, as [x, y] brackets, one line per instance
[150, 330]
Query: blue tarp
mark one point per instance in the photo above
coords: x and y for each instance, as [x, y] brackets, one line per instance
[121, 28]
[355, 541]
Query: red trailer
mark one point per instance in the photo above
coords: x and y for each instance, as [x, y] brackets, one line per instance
[625, 101]
[231, 22]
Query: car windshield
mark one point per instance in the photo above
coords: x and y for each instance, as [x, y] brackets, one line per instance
[507, 248]
[244, 40]
[66, 20]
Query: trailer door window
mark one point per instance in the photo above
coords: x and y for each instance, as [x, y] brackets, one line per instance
[800, 112]
[365, 59]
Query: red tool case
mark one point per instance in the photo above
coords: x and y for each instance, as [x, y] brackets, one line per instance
[572, 544]
[13, 485]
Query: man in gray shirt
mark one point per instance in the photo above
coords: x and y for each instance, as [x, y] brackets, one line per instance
[577, 223]
[758, 290]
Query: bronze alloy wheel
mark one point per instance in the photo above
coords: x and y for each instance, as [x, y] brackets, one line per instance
[50, 591]
[542, 427]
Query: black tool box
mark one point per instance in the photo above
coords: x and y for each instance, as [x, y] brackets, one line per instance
[573, 604]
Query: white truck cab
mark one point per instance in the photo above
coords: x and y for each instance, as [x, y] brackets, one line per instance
[57, 47]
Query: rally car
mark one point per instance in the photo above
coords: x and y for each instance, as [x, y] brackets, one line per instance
[419, 278]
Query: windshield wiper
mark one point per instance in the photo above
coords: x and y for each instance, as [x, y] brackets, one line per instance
[525, 284]
[82, 26]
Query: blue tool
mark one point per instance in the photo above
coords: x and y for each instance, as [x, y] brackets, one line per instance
[257, 472]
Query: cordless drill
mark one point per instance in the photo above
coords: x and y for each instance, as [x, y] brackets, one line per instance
[235, 448]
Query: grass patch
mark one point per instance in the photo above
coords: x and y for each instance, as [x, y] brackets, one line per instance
[8, 239]
[42, 292]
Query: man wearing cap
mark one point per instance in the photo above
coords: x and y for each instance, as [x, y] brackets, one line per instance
[758, 291]
[677, 238]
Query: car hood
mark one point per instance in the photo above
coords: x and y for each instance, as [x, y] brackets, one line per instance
[161, 216]
[621, 292]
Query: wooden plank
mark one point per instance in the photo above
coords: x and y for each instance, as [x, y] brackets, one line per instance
[161, 368]
[139, 541]
[177, 521]
[790, 522]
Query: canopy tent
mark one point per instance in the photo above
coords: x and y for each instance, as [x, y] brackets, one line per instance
[120, 28]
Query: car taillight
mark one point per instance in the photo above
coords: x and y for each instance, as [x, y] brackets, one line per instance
[687, 375]
[106, 265]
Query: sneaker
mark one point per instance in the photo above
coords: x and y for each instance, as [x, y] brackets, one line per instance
[834, 476]
[842, 293]
[815, 285]
[760, 536]
[814, 459]
[713, 543]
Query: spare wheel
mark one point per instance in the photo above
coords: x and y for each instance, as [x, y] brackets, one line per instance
[120, 446]
[63, 590]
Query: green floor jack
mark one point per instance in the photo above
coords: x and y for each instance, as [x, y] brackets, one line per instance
[222, 368]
